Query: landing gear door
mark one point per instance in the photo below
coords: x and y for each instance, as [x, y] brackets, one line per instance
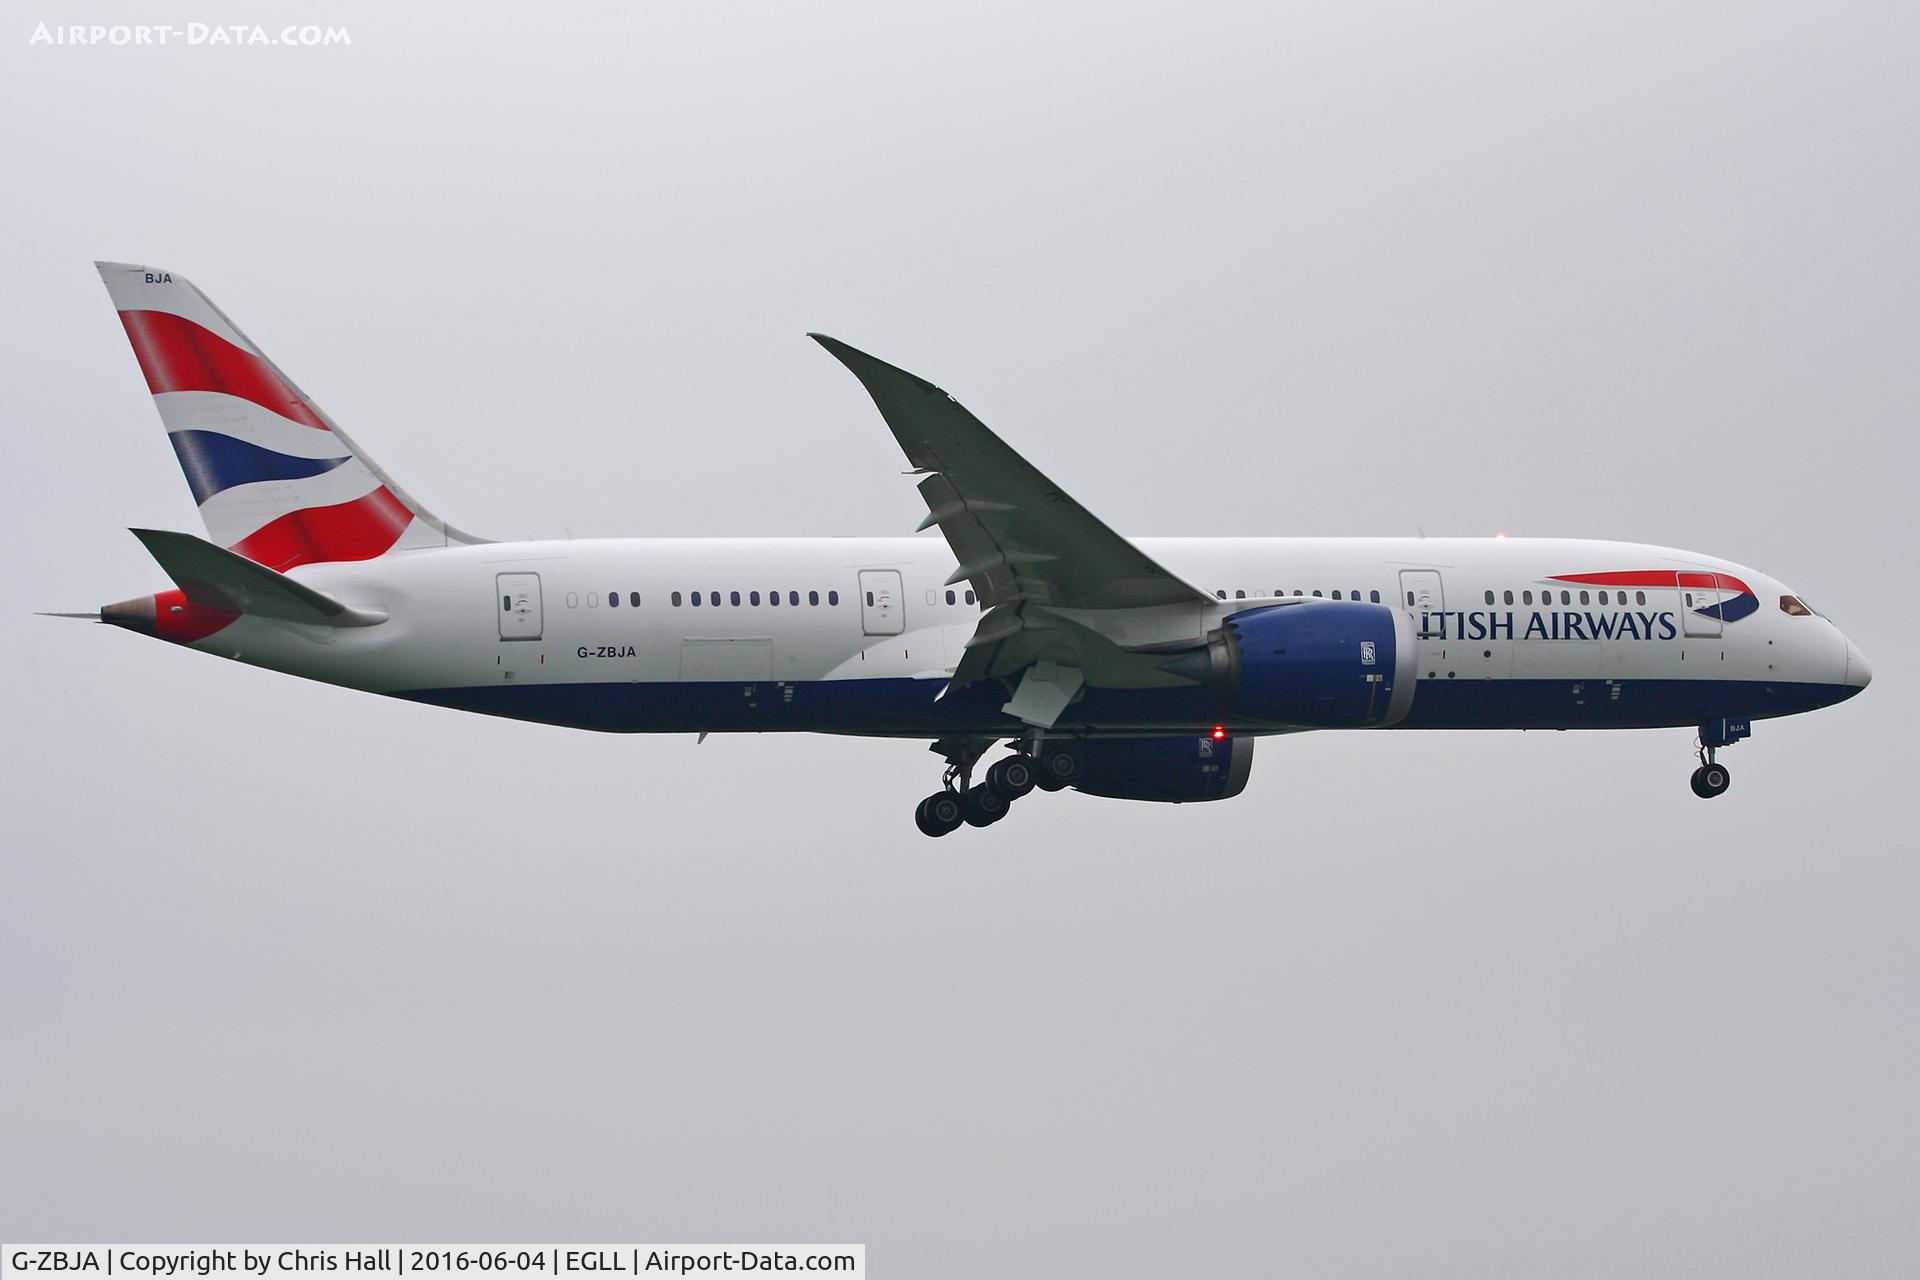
[881, 604]
[1700, 599]
[517, 601]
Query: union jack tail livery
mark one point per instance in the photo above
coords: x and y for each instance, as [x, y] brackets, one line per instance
[276, 479]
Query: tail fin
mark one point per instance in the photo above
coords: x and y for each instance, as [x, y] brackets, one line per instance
[277, 481]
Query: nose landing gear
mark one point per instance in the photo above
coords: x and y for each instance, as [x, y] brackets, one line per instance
[1711, 778]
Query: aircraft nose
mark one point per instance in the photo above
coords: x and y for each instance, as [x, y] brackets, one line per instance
[1859, 674]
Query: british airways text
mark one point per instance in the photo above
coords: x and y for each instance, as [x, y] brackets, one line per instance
[1496, 625]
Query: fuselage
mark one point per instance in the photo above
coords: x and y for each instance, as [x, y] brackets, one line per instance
[859, 635]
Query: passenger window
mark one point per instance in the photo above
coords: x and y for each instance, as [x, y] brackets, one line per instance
[833, 597]
[593, 599]
[1689, 599]
[1603, 597]
[1526, 597]
[1793, 606]
[1409, 596]
[773, 597]
[573, 599]
[1489, 597]
[633, 599]
[969, 597]
[506, 604]
[1239, 595]
[1222, 593]
[1583, 597]
[1507, 596]
[1354, 594]
[813, 597]
[1566, 597]
[1374, 596]
[753, 597]
[613, 599]
[1336, 593]
[869, 599]
[676, 599]
[696, 599]
[793, 598]
[950, 596]
[713, 598]
[1640, 596]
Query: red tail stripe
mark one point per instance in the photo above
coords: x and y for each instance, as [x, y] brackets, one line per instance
[1656, 578]
[357, 530]
[178, 355]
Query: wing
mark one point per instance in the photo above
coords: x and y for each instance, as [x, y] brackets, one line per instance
[1052, 575]
[1017, 535]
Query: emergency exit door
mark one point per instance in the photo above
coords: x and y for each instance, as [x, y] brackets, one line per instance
[881, 603]
[517, 598]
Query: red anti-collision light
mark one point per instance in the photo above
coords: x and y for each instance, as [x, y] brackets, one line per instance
[1219, 732]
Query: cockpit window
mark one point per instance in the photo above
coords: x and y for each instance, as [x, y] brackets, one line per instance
[1794, 606]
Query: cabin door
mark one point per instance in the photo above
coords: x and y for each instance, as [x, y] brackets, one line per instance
[518, 595]
[880, 602]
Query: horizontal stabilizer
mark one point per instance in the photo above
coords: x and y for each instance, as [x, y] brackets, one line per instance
[221, 579]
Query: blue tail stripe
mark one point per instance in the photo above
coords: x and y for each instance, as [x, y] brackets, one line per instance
[213, 462]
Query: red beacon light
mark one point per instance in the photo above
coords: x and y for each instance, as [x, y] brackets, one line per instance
[1219, 732]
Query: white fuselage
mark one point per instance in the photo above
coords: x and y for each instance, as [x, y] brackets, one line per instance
[866, 632]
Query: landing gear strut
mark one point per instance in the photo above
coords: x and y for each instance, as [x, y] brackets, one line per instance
[961, 801]
[1711, 778]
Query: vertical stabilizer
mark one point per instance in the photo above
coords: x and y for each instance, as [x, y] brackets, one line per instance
[276, 479]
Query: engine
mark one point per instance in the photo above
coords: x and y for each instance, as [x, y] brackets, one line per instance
[1312, 663]
[1170, 770]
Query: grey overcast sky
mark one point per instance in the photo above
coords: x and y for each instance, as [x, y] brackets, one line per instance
[284, 961]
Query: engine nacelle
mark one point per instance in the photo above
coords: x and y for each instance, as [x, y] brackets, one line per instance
[1317, 664]
[1168, 770]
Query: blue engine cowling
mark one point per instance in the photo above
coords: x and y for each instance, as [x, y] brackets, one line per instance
[1169, 770]
[1310, 663]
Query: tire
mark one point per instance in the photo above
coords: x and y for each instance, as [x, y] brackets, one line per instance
[1714, 781]
[1694, 782]
[1058, 770]
[938, 815]
[1012, 777]
[983, 807]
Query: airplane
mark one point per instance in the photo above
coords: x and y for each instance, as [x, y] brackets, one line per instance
[1142, 669]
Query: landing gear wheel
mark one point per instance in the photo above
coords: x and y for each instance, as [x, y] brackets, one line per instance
[938, 814]
[1058, 770]
[1012, 777]
[1711, 780]
[983, 808]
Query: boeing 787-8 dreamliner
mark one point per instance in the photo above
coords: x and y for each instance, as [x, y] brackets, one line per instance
[1142, 669]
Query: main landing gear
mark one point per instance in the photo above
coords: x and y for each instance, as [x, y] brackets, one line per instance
[1711, 778]
[961, 801]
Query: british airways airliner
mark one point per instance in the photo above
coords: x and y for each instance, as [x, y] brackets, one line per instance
[1141, 669]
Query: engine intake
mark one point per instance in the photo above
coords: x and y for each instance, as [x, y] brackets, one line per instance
[1316, 664]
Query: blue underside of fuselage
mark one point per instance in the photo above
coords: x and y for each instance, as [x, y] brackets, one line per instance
[908, 708]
